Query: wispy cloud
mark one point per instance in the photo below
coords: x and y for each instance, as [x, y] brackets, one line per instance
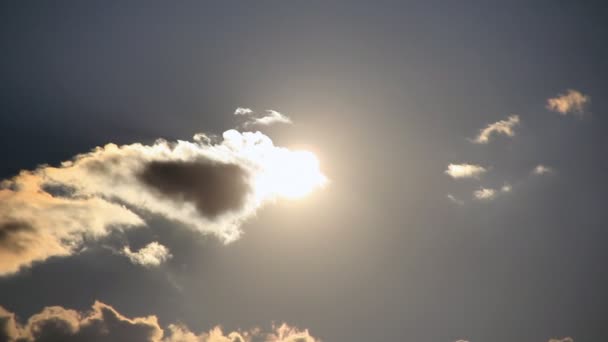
[454, 199]
[573, 101]
[243, 111]
[565, 339]
[484, 194]
[465, 170]
[151, 255]
[211, 187]
[506, 188]
[105, 323]
[504, 127]
[269, 117]
[541, 169]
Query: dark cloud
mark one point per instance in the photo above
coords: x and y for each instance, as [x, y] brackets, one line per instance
[214, 188]
[14, 235]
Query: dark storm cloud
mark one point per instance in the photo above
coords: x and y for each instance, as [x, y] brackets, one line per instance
[214, 188]
[105, 324]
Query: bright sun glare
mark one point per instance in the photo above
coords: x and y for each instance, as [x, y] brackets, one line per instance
[291, 175]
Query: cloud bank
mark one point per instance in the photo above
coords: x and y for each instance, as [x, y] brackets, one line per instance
[465, 170]
[573, 101]
[504, 127]
[104, 323]
[212, 187]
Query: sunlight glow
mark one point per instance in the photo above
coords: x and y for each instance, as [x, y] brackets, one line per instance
[292, 175]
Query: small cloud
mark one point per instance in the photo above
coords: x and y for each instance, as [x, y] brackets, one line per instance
[151, 255]
[454, 199]
[541, 170]
[565, 339]
[504, 127]
[506, 188]
[484, 194]
[271, 117]
[465, 170]
[243, 111]
[573, 101]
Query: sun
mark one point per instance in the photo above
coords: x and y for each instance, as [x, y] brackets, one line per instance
[291, 175]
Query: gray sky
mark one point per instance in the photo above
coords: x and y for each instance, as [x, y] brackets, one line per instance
[387, 95]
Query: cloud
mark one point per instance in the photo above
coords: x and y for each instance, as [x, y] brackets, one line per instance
[285, 333]
[454, 199]
[243, 111]
[504, 127]
[573, 101]
[484, 194]
[506, 188]
[272, 117]
[541, 170]
[465, 170]
[212, 186]
[565, 339]
[103, 323]
[153, 254]
[269, 117]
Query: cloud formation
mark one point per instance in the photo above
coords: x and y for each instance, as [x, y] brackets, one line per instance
[465, 170]
[541, 169]
[504, 127]
[243, 111]
[565, 339]
[153, 254]
[573, 101]
[212, 187]
[484, 193]
[104, 323]
[269, 117]
[454, 199]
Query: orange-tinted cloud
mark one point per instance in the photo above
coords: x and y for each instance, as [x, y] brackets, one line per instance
[104, 323]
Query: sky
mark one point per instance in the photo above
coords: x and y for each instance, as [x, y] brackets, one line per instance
[303, 171]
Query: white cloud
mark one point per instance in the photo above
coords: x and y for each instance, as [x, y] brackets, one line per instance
[573, 101]
[243, 111]
[153, 254]
[104, 323]
[211, 187]
[565, 339]
[501, 127]
[465, 170]
[541, 170]
[271, 117]
[506, 188]
[454, 199]
[484, 194]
